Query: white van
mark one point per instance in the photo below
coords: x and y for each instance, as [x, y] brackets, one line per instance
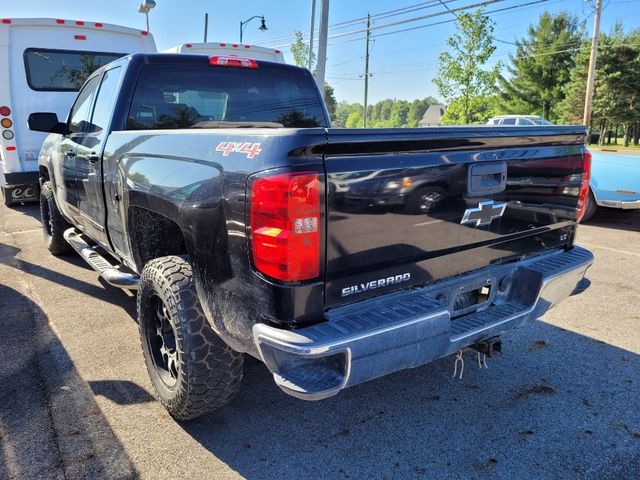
[43, 63]
[229, 49]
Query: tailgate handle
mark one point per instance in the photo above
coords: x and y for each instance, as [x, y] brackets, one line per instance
[486, 178]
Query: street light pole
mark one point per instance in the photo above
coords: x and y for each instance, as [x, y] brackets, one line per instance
[588, 99]
[313, 24]
[322, 45]
[262, 27]
[366, 71]
[145, 7]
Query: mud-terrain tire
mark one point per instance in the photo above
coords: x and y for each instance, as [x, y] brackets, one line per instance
[590, 208]
[53, 223]
[192, 370]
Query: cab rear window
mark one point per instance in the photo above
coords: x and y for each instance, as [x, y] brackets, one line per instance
[62, 70]
[194, 96]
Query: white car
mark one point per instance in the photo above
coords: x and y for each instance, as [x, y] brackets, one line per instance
[43, 64]
[518, 120]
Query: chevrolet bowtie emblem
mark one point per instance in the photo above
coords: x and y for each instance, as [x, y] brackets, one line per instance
[483, 214]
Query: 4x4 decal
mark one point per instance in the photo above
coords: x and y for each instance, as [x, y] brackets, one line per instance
[249, 149]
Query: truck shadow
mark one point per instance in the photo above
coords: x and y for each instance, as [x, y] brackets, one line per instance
[29, 210]
[618, 219]
[556, 405]
[50, 424]
[107, 293]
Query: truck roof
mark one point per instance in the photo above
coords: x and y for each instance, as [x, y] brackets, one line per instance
[195, 59]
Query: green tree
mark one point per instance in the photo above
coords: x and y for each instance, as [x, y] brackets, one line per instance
[344, 109]
[354, 120]
[330, 100]
[387, 113]
[300, 51]
[616, 98]
[461, 76]
[541, 66]
[482, 109]
[571, 107]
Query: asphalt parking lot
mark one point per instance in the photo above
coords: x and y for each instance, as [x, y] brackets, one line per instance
[562, 401]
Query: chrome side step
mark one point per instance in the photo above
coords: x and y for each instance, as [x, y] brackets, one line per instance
[112, 274]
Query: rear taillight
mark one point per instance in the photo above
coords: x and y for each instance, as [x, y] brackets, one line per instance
[285, 225]
[233, 62]
[584, 185]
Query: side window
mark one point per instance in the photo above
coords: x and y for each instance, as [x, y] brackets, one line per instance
[525, 121]
[103, 108]
[509, 121]
[81, 111]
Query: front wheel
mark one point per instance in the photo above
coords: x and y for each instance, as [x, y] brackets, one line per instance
[53, 223]
[192, 370]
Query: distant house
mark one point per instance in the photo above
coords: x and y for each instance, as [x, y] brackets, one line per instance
[432, 116]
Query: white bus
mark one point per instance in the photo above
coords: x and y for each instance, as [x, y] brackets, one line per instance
[229, 49]
[43, 63]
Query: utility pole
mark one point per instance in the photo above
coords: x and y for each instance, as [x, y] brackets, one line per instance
[313, 24]
[322, 45]
[206, 26]
[366, 70]
[588, 99]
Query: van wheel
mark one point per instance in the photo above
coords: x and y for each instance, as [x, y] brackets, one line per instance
[192, 370]
[53, 224]
[590, 208]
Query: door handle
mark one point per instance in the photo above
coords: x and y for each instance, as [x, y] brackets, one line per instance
[93, 157]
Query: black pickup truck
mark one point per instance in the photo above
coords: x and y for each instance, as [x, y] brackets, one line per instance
[216, 188]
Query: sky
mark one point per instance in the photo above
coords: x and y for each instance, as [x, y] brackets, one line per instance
[402, 64]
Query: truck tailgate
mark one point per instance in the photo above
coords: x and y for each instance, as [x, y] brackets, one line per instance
[409, 207]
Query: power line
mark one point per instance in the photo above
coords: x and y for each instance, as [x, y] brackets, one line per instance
[498, 10]
[430, 65]
[535, 2]
[386, 14]
[413, 19]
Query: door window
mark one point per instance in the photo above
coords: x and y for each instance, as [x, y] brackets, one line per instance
[81, 111]
[104, 103]
[509, 121]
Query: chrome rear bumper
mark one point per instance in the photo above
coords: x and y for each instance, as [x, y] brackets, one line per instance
[375, 337]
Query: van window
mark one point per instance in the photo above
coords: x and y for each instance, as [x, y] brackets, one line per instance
[62, 70]
[194, 96]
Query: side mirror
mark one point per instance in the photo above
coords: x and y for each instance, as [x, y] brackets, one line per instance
[46, 122]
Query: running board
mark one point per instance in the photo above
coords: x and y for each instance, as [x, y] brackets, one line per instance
[111, 273]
